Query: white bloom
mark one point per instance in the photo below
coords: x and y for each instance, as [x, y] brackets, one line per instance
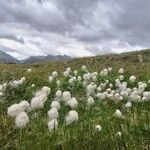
[118, 113]
[1, 94]
[132, 78]
[98, 128]
[38, 101]
[58, 83]
[79, 78]
[104, 72]
[51, 79]
[55, 104]
[109, 69]
[46, 90]
[33, 85]
[24, 105]
[121, 77]
[66, 96]
[66, 74]
[90, 101]
[84, 68]
[73, 103]
[121, 71]
[54, 74]
[29, 70]
[75, 72]
[21, 120]
[14, 110]
[99, 89]
[53, 113]
[58, 94]
[111, 85]
[119, 134]
[53, 124]
[72, 117]
[68, 69]
[128, 104]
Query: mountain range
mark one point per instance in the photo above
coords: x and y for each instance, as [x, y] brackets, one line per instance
[8, 59]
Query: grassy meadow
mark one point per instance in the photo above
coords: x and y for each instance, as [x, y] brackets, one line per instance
[80, 135]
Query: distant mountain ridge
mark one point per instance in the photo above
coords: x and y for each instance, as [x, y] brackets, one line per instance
[6, 58]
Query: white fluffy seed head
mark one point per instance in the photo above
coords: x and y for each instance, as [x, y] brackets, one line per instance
[24, 105]
[90, 101]
[132, 79]
[128, 105]
[55, 104]
[72, 117]
[14, 110]
[46, 90]
[73, 103]
[118, 113]
[54, 74]
[58, 94]
[51, 79]
[53, 113]
[98, 128]
[21, 120]
[33, 85]
[29, 70]
[53, 124]
[66, 96]
[121, 71]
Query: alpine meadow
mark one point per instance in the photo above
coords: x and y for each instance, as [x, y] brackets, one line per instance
[100, 102]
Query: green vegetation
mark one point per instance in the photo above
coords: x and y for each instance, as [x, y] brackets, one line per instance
[134, 126]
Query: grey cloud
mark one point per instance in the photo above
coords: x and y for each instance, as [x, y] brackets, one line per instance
[97, 26]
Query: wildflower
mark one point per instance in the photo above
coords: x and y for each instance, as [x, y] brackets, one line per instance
[33, 85]
[29, 70]
[118, 113]
[132, 79]
[21, 120]
[14, 110]
[53, 124]
[128, 104]
[90, 101]
[46, 90]
[121, 71]
[51, 79]
[58, 94]
[66, 96]
[72, 117]
[119, 134]
[75, 72]
[79, 78]
[24, 105]
[121, 77]
[53, 113]
[73, 103]
[98, 128]
[54, 74]
[55, 104]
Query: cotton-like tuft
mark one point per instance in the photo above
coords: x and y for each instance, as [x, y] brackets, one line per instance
[53, 113]
[121, 71]
[46, 90]
[73, 103]
[118, 113]
[21, 120]
[55, 104]
[24, 105]
[51, 79]
[128, 105]
[54, 74]
[52, 125]
[14, 110]
[72, 117]
[29, 70]
[98, 128]
[66, 96]
[132, 79]
[90, 101]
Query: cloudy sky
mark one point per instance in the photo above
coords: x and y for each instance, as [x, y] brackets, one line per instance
[73, 27]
